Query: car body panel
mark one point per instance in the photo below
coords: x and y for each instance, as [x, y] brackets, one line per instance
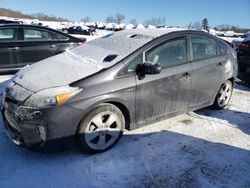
[142, 100]
[206, 78]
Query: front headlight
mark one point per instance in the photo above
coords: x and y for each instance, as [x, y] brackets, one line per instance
[52, 96]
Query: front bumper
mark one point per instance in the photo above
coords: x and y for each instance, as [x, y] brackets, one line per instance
[25, 126]
[48, 129]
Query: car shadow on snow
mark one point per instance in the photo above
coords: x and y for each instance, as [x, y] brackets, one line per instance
[155, 159]
[240, 120]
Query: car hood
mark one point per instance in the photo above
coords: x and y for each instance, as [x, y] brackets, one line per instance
[55, 71]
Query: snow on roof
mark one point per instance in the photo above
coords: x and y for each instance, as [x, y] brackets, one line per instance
[120, 43]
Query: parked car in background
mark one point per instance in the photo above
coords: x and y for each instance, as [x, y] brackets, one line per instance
[3, 21]
[22, 45]
[80, 30]
[243, 52]
[122, 81]
[237, 41]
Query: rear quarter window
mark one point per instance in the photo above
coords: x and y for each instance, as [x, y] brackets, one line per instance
[203, 47]
[222, 48]
[59, 37]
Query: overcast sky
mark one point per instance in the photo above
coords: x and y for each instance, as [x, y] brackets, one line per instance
[177, 12]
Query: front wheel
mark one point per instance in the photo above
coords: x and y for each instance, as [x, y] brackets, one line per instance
[101, 128]
[224, 95]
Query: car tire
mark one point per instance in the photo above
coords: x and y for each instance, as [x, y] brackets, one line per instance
[101, 128]
[224, 95]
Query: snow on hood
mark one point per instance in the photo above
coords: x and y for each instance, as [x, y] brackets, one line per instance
[83, 61]
[56, 71]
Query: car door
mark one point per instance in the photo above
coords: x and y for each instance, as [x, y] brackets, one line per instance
[9, 48]
[167, 93]
[37, 44]
[207, 72]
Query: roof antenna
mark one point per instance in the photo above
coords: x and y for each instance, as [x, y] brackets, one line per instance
[189, 25]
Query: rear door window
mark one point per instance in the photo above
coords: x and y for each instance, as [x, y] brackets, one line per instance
[170, 53]
[203, 47]
[8, 34]
[31, 34]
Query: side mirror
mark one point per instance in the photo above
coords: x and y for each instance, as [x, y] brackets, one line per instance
[147, 68]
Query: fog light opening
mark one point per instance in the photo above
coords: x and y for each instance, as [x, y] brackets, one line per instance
[43, 132]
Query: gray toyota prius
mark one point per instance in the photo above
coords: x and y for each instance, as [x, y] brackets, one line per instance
[123, 81]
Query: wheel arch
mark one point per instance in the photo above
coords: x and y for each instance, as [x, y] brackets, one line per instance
[125, 112]
[232, 79]
[124, 109]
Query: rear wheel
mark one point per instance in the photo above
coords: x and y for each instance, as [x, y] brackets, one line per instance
[224, 95]
[101, 128]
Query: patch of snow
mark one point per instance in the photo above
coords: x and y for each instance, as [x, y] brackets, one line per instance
[140, 26]
[151, 27]
[130, 26]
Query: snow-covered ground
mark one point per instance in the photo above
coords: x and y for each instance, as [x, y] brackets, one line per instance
[205, 148]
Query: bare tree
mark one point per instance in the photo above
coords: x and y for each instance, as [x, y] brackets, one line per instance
[196, 25]
[133, 21]
[110, 19]
[156, 21]
[119, 17]
[86, 19]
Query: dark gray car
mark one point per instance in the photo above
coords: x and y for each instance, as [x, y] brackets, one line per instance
[123, 81]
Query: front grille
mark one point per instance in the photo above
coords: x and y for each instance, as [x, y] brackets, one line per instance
[10, 100]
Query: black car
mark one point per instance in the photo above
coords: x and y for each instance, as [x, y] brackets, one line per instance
[21, 45]
[244, 54]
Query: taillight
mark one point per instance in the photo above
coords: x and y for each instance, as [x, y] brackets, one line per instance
[80, 43]
[243, 46]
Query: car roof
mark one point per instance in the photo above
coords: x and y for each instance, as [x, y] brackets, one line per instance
[26, 25]
[126, 41]
[123, 43]
[153, 33]
[40, 27]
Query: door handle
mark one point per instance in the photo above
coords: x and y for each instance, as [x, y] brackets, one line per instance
[14, 48]
[52, 46]
[185, 76]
